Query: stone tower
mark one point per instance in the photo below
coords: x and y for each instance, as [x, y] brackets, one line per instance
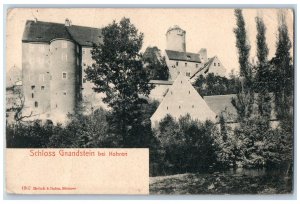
[176, 39]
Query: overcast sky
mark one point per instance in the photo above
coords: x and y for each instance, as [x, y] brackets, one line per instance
[205, 28]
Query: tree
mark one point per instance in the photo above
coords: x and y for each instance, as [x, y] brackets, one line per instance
[263, 71]
[118, 72]
[245, 96]
[155, 64]
[283, 75]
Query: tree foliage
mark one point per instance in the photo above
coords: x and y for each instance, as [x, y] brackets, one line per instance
[118, 72]
[283, 75]
[155, 64]
[244, 100]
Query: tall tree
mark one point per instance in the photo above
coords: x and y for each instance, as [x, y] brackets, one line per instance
[244, 100]
[118, 72]
[263, 76]
[155, 64]
[283, 74]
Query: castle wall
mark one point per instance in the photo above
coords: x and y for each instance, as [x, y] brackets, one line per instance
[65, 77]
[185, 67]
[36, 79]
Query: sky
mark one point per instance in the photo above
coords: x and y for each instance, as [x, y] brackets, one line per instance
[205, 28]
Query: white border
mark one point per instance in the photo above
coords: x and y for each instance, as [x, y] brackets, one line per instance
[139, 3]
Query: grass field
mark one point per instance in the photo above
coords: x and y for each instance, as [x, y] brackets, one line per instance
[220, 183]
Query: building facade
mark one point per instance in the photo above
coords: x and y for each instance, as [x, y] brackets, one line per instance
[54, 57]
[187, 63]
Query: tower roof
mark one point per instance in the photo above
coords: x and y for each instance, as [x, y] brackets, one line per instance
[39, 31]
[174, 27]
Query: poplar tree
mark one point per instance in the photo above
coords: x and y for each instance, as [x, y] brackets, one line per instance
[263, 71]
[244, 100]
[283, 75]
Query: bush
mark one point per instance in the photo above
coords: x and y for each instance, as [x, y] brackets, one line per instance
[185, 145]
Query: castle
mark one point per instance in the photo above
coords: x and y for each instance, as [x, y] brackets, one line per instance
[54, 57]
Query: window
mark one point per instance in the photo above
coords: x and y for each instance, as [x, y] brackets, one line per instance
[84, 64]
[181, 81]
[185, 64]
[65, 93]
[42, 87]
[36, 104]
[192, 106]
[188, 57]
[218, 64]
[64, 75]
[41, 77]
[171, 92]
[32, 87]
[189, 92]
[41, 48]
[167, 108]
[83, 80]
[214, 64]
[177, 64]
[64, 57]
[179, 107]
[32, 95]
[196, 65]
[188, 74]
[64, 44]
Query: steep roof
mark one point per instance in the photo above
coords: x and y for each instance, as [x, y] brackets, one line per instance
[205, 67]
[183, 56]
[183, 99]
[40, 31]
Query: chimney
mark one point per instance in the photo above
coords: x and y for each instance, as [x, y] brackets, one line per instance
[68, 22]
[203, 55]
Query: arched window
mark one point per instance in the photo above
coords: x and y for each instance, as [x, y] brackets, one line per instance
[36, 104]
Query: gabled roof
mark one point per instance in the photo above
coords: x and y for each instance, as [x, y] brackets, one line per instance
[183, 56]
[46, 31]
[183, 99]
[205, 67]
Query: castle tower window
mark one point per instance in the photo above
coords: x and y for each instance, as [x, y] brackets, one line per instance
[65, 93]
[41, 77]
[32, 87]
[42, 48]
[42, 87]
[192, 106]
[196, 65]
[179, 107]
[167, 108]
[64, 75]
[177, 64]
[32, 95]
[186, 64]
[64, 57]
[64, 45]
[36, 104]
[188, 74]
[181, 81]
[189, 92]
[218, 64]
[214, 64]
